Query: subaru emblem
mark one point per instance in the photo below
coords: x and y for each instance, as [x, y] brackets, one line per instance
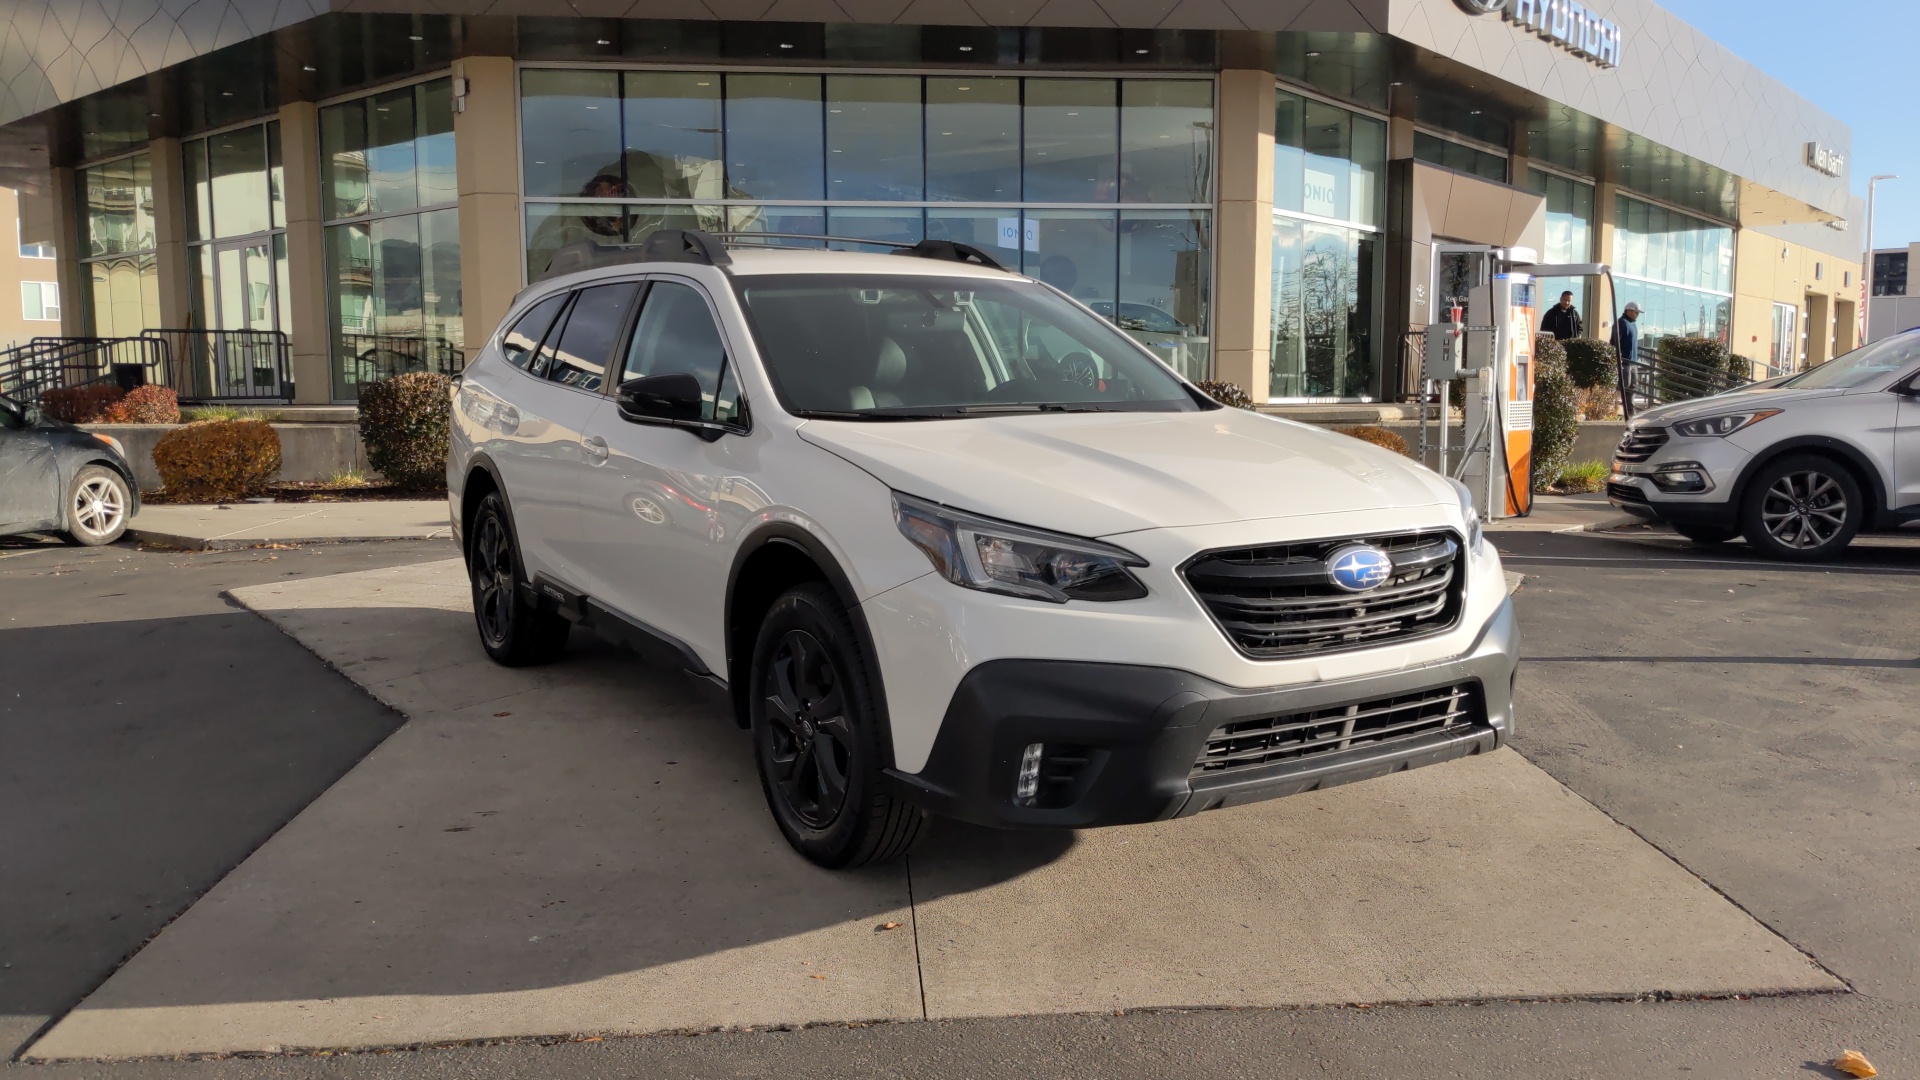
[1359, 567]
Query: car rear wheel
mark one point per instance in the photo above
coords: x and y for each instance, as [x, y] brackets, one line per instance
[1802, 507]
[96, 509]
[514, 631]
[1707, 535]
[816, 736]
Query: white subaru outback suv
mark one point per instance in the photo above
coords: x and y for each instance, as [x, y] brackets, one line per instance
[952, 544]
[1797, 466]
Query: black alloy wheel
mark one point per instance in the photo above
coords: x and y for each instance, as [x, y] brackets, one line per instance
[1802, 507]
[514, 631]
[810, 742]
[818, 736]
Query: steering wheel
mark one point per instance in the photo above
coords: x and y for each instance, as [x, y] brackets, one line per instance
[1079, 369]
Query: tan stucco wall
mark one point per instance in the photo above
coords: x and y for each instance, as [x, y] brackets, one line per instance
[14, 325]
[1767, 271]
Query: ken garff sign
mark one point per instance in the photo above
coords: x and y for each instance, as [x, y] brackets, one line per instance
[1567, 23]
[1825, 159]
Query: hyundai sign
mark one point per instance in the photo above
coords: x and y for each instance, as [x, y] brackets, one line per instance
[1567, 23]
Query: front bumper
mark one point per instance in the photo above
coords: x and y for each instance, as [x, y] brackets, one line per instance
[1137, 732]
[1631, 487]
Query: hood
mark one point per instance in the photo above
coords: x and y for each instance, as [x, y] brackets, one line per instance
[1099, 474]
[1749, 397]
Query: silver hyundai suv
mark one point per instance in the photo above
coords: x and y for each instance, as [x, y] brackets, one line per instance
[1797, 467]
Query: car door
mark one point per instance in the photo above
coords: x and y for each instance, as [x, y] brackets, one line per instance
[29, 476]
[663, 510]
[1906, 445]
[545, 463]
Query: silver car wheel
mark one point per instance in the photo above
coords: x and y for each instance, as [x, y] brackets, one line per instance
[1804, 510]
[99, 506]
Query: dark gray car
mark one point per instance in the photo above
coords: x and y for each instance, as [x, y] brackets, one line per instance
[55, 477]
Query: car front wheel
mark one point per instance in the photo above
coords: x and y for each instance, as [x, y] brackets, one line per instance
[1802, 507]
[816, 736]
[97, 507]
[514, 631]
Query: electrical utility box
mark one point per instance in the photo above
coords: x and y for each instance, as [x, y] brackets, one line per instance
[1446, 356]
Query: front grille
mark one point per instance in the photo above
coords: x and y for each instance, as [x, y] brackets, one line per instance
[1277, 601]
[1638, 444]
[1625, 492]
[1249, 744]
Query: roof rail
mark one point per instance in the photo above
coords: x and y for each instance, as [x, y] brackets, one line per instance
[951, 251]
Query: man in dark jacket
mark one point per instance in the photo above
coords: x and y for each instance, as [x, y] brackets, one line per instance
[1626, 333]
[1562, 321]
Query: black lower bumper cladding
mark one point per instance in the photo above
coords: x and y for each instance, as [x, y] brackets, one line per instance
[1122, 740]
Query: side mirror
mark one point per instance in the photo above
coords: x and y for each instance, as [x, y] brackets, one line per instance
[1909, 388]
[670, 399]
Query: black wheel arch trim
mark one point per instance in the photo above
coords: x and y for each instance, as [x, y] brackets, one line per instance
[1878, 515]
[480, 462]
[791, 535]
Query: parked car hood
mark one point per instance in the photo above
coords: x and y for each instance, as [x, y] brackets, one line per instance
[1099, 474]
[1747, 397]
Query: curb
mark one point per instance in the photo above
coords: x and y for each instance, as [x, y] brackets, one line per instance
[160, 541]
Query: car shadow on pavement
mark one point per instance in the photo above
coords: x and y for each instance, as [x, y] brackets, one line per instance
[595, 823]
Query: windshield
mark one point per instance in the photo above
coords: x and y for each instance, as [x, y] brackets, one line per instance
[1863, 365]
[887, 347]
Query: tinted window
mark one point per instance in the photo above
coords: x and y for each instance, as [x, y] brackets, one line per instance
[676, 335]
[897, 347]
[519, 343]
[592, 327]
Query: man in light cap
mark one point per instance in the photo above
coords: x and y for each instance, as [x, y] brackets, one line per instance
[1626, 333]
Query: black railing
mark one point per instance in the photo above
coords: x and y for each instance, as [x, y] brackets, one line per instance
[52, 363]
[227, 365]
[1660, 379]
[372, 357]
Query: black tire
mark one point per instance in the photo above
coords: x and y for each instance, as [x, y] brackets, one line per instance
[96, 508]
[817, 737]
[1803, 507]
[1707, 535]
[514, 632]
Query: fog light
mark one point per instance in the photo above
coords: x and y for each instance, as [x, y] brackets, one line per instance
[1026, 788]
[1682, 476]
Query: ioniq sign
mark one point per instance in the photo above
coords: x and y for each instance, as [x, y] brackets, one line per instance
[1566, 23]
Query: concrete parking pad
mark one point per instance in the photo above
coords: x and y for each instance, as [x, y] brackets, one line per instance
[195, 527]
[584, 848]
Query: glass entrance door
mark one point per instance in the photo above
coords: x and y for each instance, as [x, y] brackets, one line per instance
[243, 286]
[242, 355]
[1786, 340]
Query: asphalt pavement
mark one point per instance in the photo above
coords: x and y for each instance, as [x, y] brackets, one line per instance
[1744, 717]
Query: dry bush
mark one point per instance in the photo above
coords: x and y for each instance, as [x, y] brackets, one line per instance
[80, 404]
[403, 423]
[217, 460]
[1380, 437]
[144, 405]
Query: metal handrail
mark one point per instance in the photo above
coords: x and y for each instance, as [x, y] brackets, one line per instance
[227, 365]
[372, 357]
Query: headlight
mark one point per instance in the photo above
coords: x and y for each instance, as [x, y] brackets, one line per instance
[1713, 427]
[1466, 511]
[993, 556]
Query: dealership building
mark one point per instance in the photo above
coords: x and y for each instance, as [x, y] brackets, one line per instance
[1277, 193]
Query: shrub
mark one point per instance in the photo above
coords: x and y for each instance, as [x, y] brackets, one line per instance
[1694, 367]
[80, 404]
[217, 460]
[1554, 411]
[1588, 476]
[403, 422]
[144, 405]
[1739, 369]
[1380, 437]
[1597, 402]
[1592, 364]
[1227, 393]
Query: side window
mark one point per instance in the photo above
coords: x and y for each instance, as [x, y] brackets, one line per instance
[518, 344]
[676, 335]
[586, 342]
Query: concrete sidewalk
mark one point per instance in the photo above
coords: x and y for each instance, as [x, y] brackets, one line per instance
[228, 526]
[584, 848]
[1566, 513]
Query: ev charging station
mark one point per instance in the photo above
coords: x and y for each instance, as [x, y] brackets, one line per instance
[1490, 343]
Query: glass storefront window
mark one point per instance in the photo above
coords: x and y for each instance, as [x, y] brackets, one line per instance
[393, 231]
[873, 137]
[1569, 240]
[116, 227]
[973, 140]
[1459, 157]
[1072, 145]
[236, 221]
[1329, 193]
[1677, 267]
[887, 158]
